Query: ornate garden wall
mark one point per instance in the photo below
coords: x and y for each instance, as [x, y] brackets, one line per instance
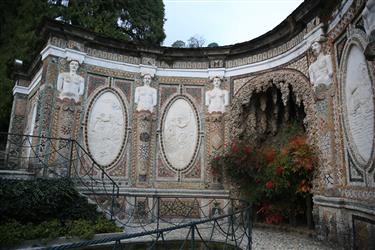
[152, 117]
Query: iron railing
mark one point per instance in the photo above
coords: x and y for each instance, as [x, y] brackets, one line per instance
[153, 219]
[48, 157]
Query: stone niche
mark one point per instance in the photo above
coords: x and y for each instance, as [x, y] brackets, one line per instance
[266, 113]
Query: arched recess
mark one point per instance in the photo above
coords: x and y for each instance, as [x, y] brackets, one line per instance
[289, 82]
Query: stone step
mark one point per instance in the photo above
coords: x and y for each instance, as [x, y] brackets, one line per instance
[16, 174]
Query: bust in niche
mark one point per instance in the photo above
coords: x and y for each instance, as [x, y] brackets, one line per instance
[70, 84]
[368, 15]
[320, 71]
[217, 99]
[145, 96]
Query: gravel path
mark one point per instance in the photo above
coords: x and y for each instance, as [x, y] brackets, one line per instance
[269, 239]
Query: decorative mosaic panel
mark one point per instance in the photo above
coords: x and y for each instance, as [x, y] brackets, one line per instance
[355, 174]
[95, 81]
[166, 92]
[196, 93]
[174, 208]
[125, 86]
[364, 232]
[195, 172]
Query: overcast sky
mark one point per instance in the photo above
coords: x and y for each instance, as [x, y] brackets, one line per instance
[223, 21]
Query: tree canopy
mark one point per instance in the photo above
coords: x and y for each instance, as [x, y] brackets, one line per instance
[128, 20]
[195, 41]
[178, 44]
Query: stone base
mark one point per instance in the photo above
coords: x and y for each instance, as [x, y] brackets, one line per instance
[346, 223]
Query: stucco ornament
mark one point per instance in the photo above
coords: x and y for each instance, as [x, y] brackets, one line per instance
[368, 15]
[320, 71]
[145, 96]
[217, 99]
[70, 84]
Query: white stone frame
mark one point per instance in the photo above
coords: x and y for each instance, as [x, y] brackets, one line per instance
[164, 112]
[357, 38]
[123, 100]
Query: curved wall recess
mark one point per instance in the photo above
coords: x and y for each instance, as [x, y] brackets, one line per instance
[180, 133]
[357, 97]
[106, 121]
[288, 81]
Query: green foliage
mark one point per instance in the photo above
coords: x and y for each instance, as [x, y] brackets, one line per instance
[178, 44]
[46, 209]
[141, 21]
[43, 199]
[12, 233]
[277, 180]
[195, 42]
[212, 45]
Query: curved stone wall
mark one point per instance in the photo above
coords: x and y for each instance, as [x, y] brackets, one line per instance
[169, 145]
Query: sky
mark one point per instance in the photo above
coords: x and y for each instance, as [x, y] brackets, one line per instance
[223, 21]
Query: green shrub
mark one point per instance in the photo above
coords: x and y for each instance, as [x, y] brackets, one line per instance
[47, 209]
[12, 233]
[35, 201]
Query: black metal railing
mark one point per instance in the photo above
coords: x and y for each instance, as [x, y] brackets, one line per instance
[154, 219]
[189, 222]
[48, 157]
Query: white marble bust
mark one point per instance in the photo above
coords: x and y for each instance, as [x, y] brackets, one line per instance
[217, 99]
[368, 15]
[320, 71]
[70, 84]
[145, 96]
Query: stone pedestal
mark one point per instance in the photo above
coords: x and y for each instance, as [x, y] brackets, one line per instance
[65, 126]
[215, 145]
[323, 103]
[143, 129]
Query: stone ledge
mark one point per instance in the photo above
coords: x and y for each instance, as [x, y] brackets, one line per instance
[16, 175]
[339, 203]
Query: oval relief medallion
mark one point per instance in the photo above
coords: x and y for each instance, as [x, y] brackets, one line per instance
[106, 128]
[179, 134]
[358, 94]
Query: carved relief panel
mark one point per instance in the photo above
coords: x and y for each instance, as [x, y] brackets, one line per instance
[106, 126]
[357, 97]
[180, 128]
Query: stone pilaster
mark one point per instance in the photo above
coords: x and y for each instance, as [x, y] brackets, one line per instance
[144, 127]
[215, 145]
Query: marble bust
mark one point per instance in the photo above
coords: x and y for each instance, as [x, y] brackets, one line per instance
[145, 96]
[320, 71]
[70, 84]
[217, 99]
[368, 15]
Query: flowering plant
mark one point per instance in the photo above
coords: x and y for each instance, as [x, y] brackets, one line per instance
[271, 178]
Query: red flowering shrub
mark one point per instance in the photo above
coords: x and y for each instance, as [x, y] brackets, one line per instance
[281, 177]
[269, 185]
